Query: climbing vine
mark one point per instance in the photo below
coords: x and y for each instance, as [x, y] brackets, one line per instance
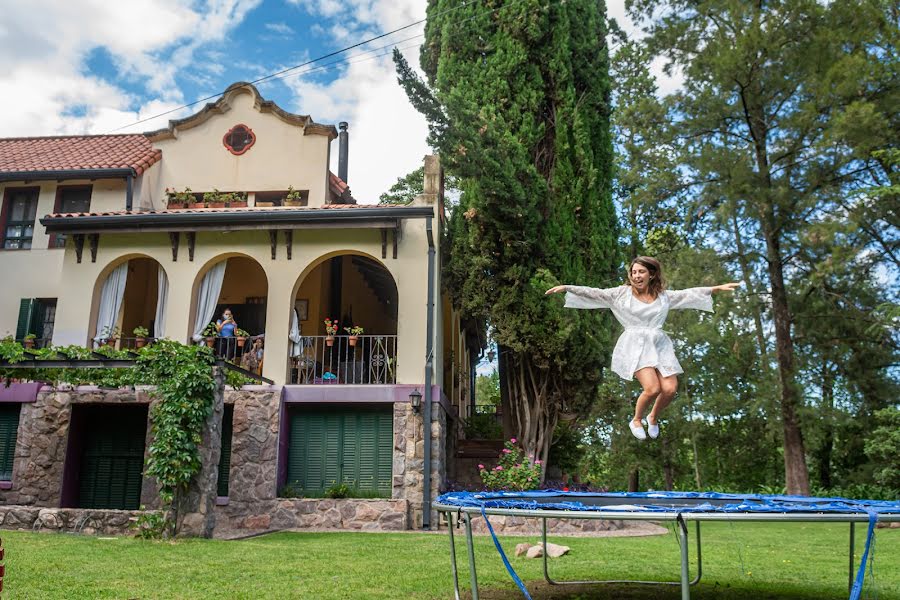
[183, 382]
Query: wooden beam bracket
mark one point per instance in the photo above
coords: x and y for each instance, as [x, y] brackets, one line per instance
[94, 241]
[273, 241]
[192, 241]
[79, 246]
[384, 243]
[174, 240]
[289, 241]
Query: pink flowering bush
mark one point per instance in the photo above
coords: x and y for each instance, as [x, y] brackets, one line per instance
[514, 471]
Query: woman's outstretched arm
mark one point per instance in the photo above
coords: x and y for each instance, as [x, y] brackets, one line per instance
[578, 296]
[698, 298]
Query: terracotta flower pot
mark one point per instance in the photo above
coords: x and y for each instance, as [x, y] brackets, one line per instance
[28, 343]
[197, 205]
[329, 340]
[353, 339]
[240, 342]
[210, 341]
[140, 342]
[216, 205]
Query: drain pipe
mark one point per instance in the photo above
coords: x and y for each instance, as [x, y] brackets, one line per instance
[429, 368]
[129, 191]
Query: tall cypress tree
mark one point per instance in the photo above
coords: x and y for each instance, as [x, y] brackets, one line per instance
[517, 95]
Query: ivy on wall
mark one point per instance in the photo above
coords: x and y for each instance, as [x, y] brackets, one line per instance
[182, 380]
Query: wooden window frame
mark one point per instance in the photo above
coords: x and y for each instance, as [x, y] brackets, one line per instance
[4, 214]
[55, 238]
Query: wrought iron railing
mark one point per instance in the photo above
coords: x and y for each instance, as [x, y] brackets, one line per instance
[364, 359]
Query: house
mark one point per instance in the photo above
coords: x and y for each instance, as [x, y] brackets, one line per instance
[123, 239]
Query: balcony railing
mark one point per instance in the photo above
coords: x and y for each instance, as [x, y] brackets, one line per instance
[367, 360]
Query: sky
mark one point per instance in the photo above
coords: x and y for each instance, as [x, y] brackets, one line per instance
[98, 66]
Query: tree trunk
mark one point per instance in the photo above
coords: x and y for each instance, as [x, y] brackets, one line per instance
[634, 480]
[533, 411]
[506, 410]
[796, 475]
[668, 467]
[827, 448]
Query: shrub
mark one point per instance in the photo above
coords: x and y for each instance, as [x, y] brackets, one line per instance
[514, 472]
[338, 490]
[150, 525]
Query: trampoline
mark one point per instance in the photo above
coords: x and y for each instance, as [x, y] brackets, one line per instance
[677, 507]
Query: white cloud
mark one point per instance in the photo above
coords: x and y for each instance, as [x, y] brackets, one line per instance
[50, 42]
[280, 28]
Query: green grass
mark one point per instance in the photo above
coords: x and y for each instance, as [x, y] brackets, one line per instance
[801, 561]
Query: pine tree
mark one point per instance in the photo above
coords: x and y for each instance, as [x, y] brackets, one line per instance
[517, 95]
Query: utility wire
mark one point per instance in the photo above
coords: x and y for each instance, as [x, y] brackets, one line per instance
[295, 67]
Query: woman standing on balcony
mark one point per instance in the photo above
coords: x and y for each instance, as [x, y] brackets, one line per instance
[644, 351]
[226, 327]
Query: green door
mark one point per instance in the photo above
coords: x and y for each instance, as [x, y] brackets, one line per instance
[9, 427]
[349, 446]
[225, 457]
[112, 458]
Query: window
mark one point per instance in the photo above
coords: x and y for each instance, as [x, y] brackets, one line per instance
[36, 317]
[19, 211]
[9, 427]
[70, 199]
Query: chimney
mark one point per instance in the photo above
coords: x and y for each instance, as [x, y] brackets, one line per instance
[343, 140]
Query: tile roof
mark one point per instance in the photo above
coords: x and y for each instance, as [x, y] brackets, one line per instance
[79, 152]
[248, 209]
[340, 189]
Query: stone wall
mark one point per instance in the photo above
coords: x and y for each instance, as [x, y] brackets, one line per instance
[71, 520]
[409, 458]
[317, 513]
[42, 440]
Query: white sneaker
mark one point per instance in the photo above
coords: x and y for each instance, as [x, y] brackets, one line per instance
[637, 430]
[653, 429]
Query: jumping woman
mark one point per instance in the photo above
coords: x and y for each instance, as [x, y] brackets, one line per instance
[644, 351]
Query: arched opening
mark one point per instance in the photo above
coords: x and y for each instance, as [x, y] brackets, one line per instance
[236, 286]
[361, 294]
[129, 304]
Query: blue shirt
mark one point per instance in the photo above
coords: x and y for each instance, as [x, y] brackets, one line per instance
[227, 329]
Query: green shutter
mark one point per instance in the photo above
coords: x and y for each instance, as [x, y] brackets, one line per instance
[354, 447]
[113, 459]
[26, 316]
[225, 457]
[9, 427]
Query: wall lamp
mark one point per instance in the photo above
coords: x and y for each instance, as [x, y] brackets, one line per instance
[415, 400]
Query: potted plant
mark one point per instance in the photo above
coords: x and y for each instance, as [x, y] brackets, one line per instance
[293, 197]
[108, 335]
[354, 332]
[331, 328]
[241, 336]
[239, 199]
[209, 334]
[180, 199]
[28, 340]
[214, 199]
[140, 336]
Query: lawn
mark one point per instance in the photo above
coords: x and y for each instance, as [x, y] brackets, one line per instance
[795, 561]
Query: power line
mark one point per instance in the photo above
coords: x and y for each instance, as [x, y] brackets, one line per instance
[309, 62]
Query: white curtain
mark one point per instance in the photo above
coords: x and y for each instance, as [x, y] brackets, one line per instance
[111, 301]
[162, 297]
[207, 298]
[296, 346]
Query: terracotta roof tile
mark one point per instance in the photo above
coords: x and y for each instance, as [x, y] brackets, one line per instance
[65, 153]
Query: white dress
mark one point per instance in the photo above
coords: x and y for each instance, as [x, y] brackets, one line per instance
[643, 343]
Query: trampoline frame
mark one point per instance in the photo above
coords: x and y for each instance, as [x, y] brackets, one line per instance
[464, 515]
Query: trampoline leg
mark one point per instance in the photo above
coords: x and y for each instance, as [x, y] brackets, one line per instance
[852, 548]
[471, 548]
[544, 546]
[699, 557]
[453, 557]
[685, 571]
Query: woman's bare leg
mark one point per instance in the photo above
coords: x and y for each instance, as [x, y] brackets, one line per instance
[668, 388]
[649, 380]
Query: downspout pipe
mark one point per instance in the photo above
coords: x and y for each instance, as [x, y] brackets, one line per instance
[429, 369]
[129, 191]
